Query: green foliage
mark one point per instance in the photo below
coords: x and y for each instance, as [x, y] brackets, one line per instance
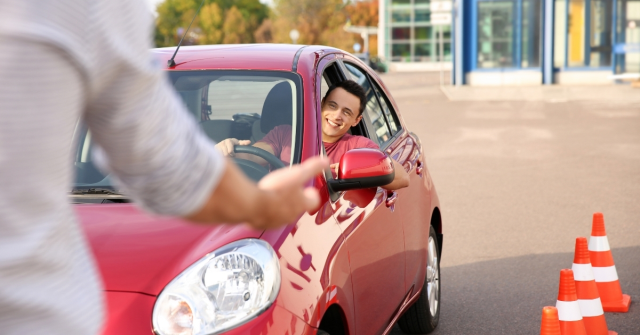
[234, 27]
[208, 27]
[318, 21]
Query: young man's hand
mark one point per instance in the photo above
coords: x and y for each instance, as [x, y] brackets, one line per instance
[226, 146]
[334, 168]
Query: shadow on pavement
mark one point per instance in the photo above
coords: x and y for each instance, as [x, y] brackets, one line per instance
[506, 296]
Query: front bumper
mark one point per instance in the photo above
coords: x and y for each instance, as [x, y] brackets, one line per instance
[130, 313]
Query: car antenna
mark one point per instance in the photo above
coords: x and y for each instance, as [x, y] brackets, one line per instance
[171, 63]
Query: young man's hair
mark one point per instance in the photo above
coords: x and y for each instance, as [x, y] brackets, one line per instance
[353, 88]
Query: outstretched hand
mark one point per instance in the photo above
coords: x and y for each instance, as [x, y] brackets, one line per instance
[286, 194]
[278, 199]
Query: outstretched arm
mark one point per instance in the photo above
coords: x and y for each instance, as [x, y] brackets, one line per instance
[401, 179]
[279, 198]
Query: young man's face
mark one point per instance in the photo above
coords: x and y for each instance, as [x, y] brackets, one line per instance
[340, 111]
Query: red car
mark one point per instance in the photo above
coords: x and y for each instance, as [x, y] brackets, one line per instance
[366, 259]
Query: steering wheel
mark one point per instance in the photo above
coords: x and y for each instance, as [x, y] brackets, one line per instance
[254, 170]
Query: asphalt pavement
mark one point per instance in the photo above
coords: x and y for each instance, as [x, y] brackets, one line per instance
[519, 173]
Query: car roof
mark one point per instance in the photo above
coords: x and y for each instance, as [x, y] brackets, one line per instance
[237, 56]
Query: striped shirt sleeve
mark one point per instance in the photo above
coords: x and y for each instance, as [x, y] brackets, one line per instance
[152, 146]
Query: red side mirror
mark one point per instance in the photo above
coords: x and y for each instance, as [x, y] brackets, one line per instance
[363, 168]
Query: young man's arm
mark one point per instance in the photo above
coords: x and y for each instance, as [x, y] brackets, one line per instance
[401, 179]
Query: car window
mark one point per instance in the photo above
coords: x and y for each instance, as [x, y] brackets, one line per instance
[245, 105]
[392, 118]
[373, 109]
[324, 87]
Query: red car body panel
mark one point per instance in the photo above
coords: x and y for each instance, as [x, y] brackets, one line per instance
[365, 252]
[138, 252]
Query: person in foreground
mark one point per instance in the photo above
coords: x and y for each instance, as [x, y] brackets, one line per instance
[63, 61]
[342, 108]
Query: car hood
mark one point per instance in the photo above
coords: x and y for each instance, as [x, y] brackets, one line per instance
[139, 252]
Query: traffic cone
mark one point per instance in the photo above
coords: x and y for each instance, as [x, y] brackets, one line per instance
[587, 291]
[568, 308]
[604, 269]
[550, 324]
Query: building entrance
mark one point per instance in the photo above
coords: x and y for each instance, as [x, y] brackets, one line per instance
[627, 49]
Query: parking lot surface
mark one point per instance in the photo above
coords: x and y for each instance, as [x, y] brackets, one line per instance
[519, 179]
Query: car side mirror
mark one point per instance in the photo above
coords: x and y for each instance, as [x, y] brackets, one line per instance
[363, 168]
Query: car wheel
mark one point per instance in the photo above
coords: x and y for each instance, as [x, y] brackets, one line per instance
[423, 316]
[322, 332]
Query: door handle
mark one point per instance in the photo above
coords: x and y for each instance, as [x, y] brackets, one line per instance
[392, 197]
[419, 168]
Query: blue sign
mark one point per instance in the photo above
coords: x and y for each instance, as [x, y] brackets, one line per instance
[624, 48]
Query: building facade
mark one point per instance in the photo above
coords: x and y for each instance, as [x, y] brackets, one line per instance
[525, 42]
[407, 39]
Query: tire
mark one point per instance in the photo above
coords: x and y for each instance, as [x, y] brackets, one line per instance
[322, 332]
[422, 317]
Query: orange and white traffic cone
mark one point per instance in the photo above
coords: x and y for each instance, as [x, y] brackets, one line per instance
[568, 308]
[604, 269]
[550, 324]
[587, 291]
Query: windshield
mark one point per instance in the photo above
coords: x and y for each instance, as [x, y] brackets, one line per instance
[245, 105]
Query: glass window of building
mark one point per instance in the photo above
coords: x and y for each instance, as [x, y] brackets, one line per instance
[401, 33]
[508, 34]
[589, 33]
[531, 30]
[401, 51]
[401, 15]
[412, 37]
[495, 34]
[559, 33]
[422, 15]
[627, 33]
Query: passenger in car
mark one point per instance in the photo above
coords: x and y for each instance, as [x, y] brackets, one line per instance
[342, 108]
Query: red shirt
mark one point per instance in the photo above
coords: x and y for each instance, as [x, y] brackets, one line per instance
[279, 138]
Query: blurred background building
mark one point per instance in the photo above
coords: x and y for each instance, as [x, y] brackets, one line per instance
[528, 42]
[482, 42]
[407, 38]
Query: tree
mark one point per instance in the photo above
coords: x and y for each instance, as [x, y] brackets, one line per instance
[234, 29]
[211, 24]
[365, 13]
[318, 21]
[208, 25]
[263, 33]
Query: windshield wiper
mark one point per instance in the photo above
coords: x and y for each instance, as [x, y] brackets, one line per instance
[95, 191]
[79, 195]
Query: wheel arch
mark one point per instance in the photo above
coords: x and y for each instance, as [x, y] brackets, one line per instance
[334, 321]
[436, 222]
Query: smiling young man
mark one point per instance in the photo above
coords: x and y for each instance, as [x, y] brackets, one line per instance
[342, 108]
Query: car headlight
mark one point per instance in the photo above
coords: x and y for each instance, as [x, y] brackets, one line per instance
[220, 291]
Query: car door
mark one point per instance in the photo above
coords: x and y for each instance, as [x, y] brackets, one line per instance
[374, 235]
[414, 202]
